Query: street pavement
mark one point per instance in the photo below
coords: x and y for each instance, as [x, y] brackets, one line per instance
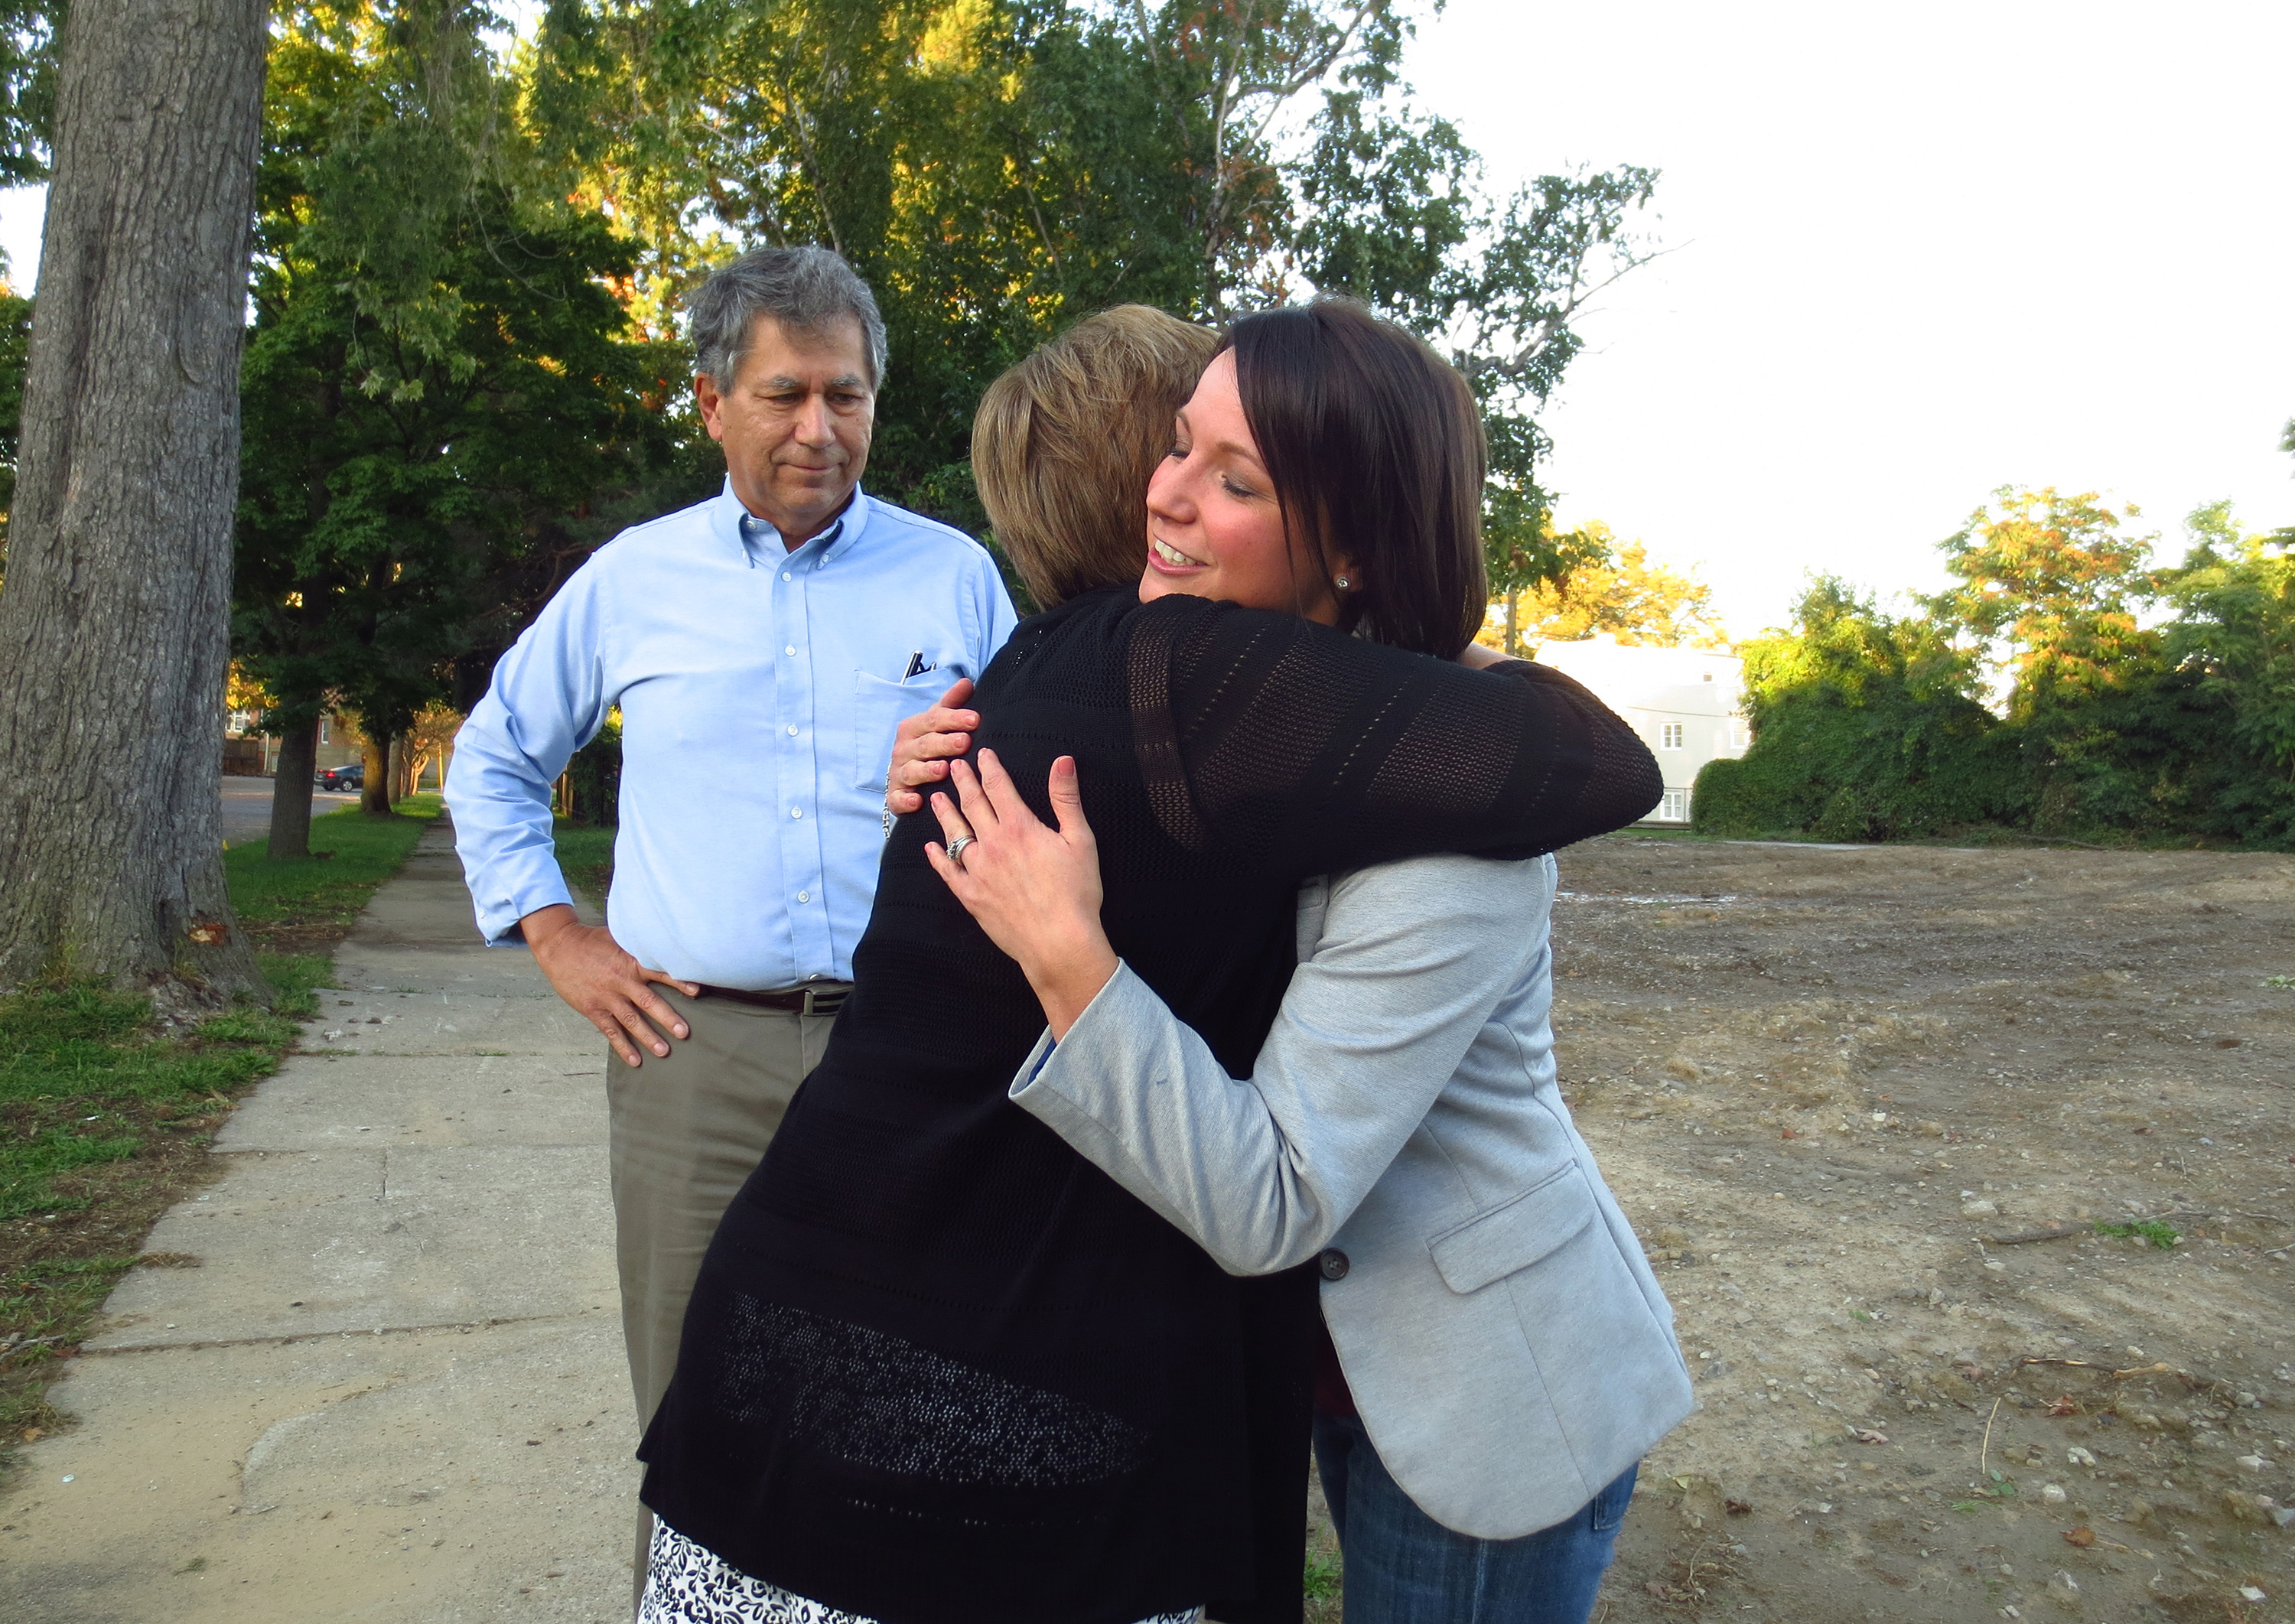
[247, 807]
[392, 1389]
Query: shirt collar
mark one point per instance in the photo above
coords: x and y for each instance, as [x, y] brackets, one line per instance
[757, 539]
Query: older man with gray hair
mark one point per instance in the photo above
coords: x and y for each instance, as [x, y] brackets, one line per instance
[762, 647]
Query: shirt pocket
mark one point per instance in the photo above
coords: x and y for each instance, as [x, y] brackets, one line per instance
[880, 707]
[1519, 1232]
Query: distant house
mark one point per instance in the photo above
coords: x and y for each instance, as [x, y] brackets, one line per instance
[250, 754]
[340, 742]
[1685, 703]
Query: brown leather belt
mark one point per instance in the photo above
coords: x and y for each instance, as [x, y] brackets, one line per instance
[799, 1000]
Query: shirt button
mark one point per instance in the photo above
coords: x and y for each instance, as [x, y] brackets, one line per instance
[797, 812]
[785, 574]
[1334, 1264]
[792, 729]
[790, 649]
[804, 896]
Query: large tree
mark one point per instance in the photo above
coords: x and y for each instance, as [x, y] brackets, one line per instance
[438, 382]
[998, 168]
[113, 625]
[2051, 587]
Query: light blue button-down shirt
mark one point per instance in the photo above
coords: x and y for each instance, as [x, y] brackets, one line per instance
[759, 690]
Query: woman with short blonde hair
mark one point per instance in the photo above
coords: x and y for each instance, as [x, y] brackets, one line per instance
[1064, 443]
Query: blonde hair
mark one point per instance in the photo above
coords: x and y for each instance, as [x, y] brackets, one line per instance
[1064, 443]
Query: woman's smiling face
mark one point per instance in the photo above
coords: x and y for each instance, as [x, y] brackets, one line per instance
[1214, 529]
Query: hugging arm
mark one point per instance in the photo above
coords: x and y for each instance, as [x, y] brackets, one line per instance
[1305, 750]
[1311, 751]
[1263, 1172]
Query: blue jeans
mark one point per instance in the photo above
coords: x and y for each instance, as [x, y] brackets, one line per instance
[1402, 1567]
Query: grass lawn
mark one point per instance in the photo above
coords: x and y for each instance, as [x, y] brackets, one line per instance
[310, 902]
[105, 1116]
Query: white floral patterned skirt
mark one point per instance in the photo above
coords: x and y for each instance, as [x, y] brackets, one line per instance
[688, 1584]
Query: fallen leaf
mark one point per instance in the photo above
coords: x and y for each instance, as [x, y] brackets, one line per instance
[1737, 1508]
[2080, 1537]
[1866, 1434]
[2064, 1405]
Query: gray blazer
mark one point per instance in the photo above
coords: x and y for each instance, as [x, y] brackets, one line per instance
[1505, 1341]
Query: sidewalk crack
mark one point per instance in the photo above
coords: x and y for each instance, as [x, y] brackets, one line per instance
[289, 1338]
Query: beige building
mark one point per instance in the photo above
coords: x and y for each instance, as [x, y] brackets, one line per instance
[252, 754]
[1685, 703]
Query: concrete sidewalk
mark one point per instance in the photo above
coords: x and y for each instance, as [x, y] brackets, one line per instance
[393, 1388]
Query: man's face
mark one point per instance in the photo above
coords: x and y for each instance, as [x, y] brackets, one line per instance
[795, 424]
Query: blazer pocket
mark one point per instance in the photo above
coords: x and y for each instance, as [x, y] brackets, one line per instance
[1493, 1245]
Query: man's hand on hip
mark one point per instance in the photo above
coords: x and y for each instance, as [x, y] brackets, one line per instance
[588, 968]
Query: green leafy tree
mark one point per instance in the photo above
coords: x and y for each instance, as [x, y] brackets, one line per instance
[1866, 727]
[1615, 589]
[996, 168]
[2233, 638]
[2053, 590]
[15, 352]
[439, 383]
[28, 93]
[29, 29]
[2051, 584]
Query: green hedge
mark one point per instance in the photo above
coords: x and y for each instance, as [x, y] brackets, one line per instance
[1868, 727]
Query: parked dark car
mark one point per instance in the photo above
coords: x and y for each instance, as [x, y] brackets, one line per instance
[353, 777]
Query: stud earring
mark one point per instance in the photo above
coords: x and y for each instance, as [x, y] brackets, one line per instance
[1342, 583]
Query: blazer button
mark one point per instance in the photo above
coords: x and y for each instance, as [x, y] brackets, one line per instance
[1333, 1263]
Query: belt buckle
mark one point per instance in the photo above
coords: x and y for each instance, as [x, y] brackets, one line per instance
[813, 993]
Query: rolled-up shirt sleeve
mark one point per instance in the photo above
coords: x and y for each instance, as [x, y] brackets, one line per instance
[546, 701]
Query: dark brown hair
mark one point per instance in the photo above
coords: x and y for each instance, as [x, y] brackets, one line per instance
[1375, 448]
[1064, 443]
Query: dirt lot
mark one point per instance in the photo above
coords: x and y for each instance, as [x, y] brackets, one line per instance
[1834, 1087]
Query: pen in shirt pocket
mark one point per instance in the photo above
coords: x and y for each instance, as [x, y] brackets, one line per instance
[916, 666]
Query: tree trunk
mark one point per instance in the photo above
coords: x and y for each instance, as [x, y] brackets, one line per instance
[374, 785]
[402, 768]
[290, 792]
[114, 624]
[1514, 624]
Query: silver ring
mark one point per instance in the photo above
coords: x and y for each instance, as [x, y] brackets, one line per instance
[956, 849]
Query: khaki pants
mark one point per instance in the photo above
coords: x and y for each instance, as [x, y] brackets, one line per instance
[687, 1132]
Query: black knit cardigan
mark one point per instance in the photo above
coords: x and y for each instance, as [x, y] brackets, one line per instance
[940, 1369]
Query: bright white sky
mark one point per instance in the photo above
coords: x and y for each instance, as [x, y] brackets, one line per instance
[1918, 253]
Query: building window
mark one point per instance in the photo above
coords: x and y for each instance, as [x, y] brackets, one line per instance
[1668, 737]
[1740, 733]
[1675, 807]
[323, 731]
